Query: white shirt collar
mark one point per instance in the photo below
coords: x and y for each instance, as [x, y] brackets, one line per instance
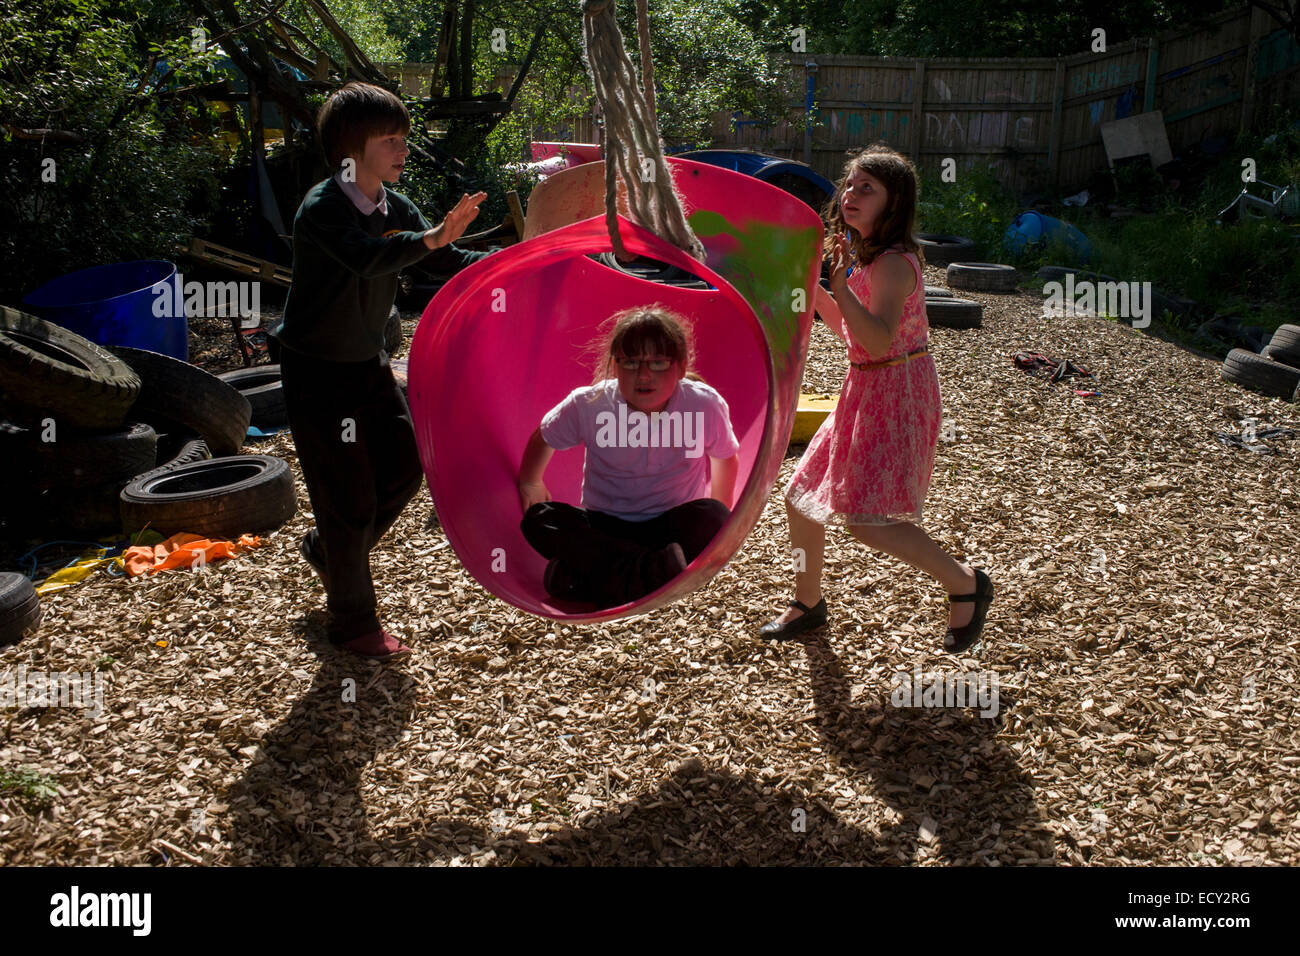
[360, 199]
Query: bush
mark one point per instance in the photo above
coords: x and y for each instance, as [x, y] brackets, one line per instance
[977, 206]
[130, 182]
[1247, 268]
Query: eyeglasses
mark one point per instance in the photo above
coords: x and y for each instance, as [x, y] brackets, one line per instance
[655, 365]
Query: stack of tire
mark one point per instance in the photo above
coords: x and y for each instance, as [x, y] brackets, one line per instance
[260, 385]
[105, 440]
[942, 309]
[1274, 371]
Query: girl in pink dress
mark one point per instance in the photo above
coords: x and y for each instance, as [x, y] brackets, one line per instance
[869, 465]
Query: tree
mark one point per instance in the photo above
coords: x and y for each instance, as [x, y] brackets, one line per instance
[96, 165]
[1285, 12]
[939, 28]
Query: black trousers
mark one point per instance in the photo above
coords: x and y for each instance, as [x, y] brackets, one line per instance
[356, 445]
[597, 545]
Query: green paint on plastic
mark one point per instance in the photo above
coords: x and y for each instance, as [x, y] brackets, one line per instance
[768, 262]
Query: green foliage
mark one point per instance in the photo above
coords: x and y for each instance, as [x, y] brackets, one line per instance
[976, 206]
[1247, 268]
[364, 21]
[706, 61]
[126, 187]
[936, 28]
[35, 791]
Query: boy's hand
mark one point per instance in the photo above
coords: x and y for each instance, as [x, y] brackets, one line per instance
[532, 493]
[453, 226]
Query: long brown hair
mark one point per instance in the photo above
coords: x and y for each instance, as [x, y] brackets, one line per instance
[897, 224]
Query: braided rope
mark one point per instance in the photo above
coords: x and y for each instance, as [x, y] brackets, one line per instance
[630, 132]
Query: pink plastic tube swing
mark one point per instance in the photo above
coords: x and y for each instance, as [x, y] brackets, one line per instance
[509, 337]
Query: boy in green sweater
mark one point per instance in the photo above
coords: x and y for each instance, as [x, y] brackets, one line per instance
[351, 424]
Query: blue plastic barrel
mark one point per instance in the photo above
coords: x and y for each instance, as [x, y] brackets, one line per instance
[1031, 228]
[117, 305]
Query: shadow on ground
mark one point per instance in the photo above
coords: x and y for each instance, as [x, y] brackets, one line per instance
[299, 803]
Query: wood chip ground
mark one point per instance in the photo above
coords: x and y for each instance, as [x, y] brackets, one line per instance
[1143, 639]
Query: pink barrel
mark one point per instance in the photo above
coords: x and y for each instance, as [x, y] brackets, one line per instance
[510, 336]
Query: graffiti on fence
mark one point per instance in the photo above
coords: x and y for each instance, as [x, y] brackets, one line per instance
[1103, 78]
[866, 125]
[947, 130]
[944, 131]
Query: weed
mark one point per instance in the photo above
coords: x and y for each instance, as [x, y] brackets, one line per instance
[35, 791]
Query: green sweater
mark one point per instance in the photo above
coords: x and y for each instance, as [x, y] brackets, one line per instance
[345, 267]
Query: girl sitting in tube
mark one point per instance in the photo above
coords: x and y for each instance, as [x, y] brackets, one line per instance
[659, 471]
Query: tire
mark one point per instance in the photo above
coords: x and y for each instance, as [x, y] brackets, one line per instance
[183, 393]
[1260, 374]
[73, 513]
[940, 249]
[954, 313]
[652, 270]
[217, 498]
[78, 459]
[176, 445]
[47, 371]
[261, 386]
[937, 292]
[393, 336]
[1284, 346]
[20, 608]
[982, 277]
[196, 449]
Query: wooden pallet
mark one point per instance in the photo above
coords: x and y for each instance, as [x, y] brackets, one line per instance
[239, 262]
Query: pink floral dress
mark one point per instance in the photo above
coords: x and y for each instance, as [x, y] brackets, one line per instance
[871, 461]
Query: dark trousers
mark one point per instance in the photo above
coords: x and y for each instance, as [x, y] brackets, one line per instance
[356, 445]
[602, 548]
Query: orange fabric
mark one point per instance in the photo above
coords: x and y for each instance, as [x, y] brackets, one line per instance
[183, 550]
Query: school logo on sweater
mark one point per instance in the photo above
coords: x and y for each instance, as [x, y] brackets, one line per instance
[634, 429]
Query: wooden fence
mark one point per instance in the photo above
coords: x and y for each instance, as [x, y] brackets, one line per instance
[1036, 121]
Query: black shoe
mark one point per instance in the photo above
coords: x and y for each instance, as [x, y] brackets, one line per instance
[958, 639]
[561, 580]
[660, 567]
[311, 554]
[811, 619]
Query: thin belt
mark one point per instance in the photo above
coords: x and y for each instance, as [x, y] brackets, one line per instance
[924, 350]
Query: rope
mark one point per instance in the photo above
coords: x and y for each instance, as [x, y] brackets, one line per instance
[629, 136]
[647, 64]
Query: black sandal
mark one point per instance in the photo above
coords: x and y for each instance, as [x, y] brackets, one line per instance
[811, 619]
[958, 639]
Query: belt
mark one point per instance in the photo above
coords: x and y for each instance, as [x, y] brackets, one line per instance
[925, 350]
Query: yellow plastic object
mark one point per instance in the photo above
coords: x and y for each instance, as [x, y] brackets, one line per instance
[90, 562]
[812, 411]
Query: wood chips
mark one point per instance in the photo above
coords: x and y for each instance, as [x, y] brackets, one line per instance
[1143, 642]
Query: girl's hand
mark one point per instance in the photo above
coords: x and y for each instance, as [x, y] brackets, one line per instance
[456, 221]
[532, 493]
[838, 273]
